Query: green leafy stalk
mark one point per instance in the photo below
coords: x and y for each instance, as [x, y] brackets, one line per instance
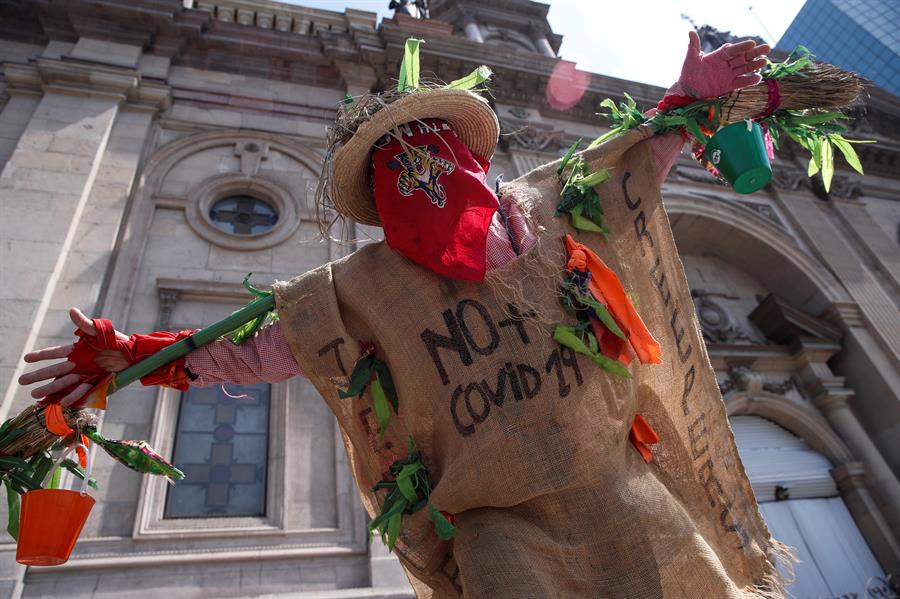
[373, 373]
[215, 331]
[380, 405]
[247, 330]
[407, 493]
[12, 508]
[409, 67]
[567, 337]
[473, 79]
[624, 117]
[442, 526]
[578, 197]
[137, 455]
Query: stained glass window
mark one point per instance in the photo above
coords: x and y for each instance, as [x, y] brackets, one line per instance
[221, 444]
[243, 215]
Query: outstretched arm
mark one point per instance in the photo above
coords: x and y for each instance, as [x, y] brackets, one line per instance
[731, 67]
[264, 358]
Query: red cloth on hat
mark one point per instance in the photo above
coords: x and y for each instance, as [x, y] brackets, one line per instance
[433, 199]
[134, 349]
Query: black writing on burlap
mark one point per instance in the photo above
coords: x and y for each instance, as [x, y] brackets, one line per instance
[335, 347]
[470, 333]
[679, 319]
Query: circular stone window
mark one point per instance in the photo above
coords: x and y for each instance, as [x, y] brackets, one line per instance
[238, 213]
[243, 215]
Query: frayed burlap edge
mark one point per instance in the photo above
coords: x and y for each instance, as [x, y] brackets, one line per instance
[781, 560]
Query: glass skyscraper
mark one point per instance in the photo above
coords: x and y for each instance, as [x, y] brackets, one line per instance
[857, 35]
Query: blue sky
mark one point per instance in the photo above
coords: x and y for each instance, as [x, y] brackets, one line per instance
[640, 40]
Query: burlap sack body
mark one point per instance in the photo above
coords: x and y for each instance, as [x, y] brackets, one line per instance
[527, 443]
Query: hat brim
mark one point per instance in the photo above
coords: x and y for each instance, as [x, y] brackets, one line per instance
[468, 114]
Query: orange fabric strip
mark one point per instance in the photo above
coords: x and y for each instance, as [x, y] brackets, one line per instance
[607, 286]
[642, 435]
[56, 422]
[82, 454]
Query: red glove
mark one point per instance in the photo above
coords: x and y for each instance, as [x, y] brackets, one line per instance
[91, 353]
[715, 74]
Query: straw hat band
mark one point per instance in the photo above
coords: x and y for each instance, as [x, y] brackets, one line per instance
[469, 115]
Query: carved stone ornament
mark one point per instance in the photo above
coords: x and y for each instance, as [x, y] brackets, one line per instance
[746, 380]
[716, 322]
[789, 179]
[533, 137]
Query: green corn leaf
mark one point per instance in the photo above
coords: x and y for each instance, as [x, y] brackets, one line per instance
[608, 135]
[847, 150]
[815, 119]
[54, 479]
[387, 384]
[359, 378]
[409, 67]
[247, 330]
[40, 469]
[592, 342]
[613, 109]
[565, 160]
[405, 481]
[380, 405]
[256, 293]
[603, 315]
[595, 178]
[12, 508]
[445, 531]
[827, 163]
[564, 335]
[393, 530]
[585, 224]
[473, 79]
[694, 128]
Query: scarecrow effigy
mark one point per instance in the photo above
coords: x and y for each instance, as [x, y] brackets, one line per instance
[542, 420]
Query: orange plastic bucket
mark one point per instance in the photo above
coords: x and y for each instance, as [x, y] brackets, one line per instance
[49, 525]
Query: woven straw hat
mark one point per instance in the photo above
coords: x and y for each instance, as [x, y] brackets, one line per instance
[467, 113]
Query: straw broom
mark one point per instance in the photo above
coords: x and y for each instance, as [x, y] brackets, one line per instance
[35, 437]
[817, 86]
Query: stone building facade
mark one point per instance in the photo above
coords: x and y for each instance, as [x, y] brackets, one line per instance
[153, 152]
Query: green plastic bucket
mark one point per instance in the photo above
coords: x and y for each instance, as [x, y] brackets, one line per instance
[738, 152]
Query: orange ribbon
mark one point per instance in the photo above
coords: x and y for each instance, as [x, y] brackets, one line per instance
[642, 435]
[607, 289]
[56, 421]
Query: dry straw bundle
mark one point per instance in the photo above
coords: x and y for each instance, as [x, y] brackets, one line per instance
[34, 436]
[816, 86]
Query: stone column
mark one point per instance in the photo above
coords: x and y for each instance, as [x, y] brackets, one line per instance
[833, 404]
[13, 120]
[539, 37]
[544, 46]
[850, 478]
[63, 192]
[470, 26]
[473, 32]
[44, 188]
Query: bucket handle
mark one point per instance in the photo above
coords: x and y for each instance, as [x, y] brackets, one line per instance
[89, 463]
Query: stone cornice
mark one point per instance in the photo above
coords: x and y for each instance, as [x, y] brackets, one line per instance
[83, 78]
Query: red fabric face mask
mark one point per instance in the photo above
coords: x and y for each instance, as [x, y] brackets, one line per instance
[434, 203]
